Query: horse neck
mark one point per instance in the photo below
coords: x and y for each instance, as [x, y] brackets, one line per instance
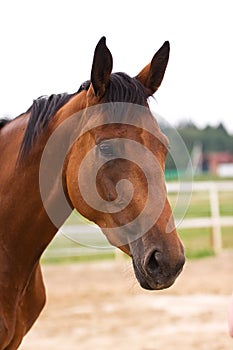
[24, 222]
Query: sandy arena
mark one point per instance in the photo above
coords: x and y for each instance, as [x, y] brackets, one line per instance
[100, 306]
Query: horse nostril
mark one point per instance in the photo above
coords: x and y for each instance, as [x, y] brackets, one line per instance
[158, 256]
[154, 261]
[158, 264]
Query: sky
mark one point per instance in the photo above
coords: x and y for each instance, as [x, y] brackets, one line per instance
[47, 47]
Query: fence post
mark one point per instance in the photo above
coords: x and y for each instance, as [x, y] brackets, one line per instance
[215, 218]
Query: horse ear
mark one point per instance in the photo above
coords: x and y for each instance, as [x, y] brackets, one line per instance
[101, 68]
[152, 75]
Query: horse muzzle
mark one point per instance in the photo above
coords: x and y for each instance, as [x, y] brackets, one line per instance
[156, 271]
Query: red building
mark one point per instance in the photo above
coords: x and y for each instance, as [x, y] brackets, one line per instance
[211, 161]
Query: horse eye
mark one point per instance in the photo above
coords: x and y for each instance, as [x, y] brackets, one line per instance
[106, 149]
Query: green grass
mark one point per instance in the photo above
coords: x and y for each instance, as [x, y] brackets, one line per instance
[197, 242]
[209, 177]
[77, 259]
[76, 252]
[199, 206]
[76, 219]
[226, 203]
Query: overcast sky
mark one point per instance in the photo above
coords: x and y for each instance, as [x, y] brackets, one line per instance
[47, 47]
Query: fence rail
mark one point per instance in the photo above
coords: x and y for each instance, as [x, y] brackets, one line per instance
[215, 221]
[91, 240]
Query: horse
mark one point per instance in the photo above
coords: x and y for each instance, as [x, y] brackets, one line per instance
[79, 150]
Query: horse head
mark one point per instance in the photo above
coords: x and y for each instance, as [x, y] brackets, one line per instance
[114, 170]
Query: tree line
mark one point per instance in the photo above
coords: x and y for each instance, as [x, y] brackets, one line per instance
[210, 139]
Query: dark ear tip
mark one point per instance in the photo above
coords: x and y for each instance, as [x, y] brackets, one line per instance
[102, 41]
[166, 45]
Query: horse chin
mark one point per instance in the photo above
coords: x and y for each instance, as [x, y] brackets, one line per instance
[146, 282]
[154, 286]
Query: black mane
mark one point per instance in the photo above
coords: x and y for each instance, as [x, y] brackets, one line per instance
[3, 122]
[123, 88]
[41, 112]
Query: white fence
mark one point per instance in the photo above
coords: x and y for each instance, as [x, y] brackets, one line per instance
[90, 240]
[215, 221]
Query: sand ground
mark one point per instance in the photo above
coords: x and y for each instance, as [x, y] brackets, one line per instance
[100, 306]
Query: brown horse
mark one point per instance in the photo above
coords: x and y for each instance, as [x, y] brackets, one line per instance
[100, 151]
